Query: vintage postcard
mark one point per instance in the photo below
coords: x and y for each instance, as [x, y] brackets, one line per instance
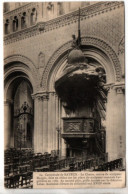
[64, 94]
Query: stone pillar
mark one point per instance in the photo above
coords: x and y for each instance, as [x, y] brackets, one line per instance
[63, 142]
[7, 124]
[45, 122]
[11, 24]
[120, 119]
[115, 122]
[50, 123]
[38, 123]
[19, 21]
[53, 120]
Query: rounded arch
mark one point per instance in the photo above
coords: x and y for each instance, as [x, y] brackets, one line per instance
[19, 66]
[93, 42]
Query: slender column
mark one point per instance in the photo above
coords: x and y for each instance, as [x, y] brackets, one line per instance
[7, 124]
[19, 21]
[59, 118]
[28, 18]
[63, 142]
[45, 122]
[120, 120]
[53, 118]
[38, 123]
[57, 123]
[115, 123]
[50, 122]
[11, 24]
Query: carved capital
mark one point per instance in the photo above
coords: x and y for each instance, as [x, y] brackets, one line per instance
[40, 96]
[19, 15]
[120, 88]
[53, 93]
[8, 102]
[45, 97]
[108, 87]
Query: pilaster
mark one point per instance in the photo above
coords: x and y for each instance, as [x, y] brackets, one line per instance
[8, 132]
[115, 122]
[38, 122]
[45, 98]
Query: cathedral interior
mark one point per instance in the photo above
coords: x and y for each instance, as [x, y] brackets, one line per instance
[64, 91]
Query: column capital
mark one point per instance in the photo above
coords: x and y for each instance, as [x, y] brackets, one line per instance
[40, 96]
[45, 96]
[119, 87]
[108, 86]
[8, 102]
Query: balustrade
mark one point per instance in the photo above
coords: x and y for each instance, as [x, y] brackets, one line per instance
[21, 18]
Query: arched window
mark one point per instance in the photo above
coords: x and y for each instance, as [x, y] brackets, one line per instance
[33, 16]
[23, 21]
[15, 24]
[7, 27]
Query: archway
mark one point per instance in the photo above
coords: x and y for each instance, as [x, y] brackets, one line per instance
[18, 105]
[101, 49]
[96, 51]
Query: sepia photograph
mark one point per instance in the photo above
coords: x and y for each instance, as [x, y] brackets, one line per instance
[64, 94]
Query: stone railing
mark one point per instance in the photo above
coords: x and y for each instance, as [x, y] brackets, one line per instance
[21, 18]
[28, 21]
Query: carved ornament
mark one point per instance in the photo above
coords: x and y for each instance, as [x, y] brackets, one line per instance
[42, 27]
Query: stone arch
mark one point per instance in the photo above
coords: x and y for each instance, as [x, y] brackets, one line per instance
[86, 41]
[22, 65]
[17, 69]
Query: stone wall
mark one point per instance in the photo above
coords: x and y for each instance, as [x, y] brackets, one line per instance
[108, 26]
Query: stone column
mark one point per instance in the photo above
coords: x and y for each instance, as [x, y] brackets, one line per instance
[38, 123]
[50, 123]
[19, 21]
[53, 120]
[64, 143]
[120, 119]
[45, 122]
[11, 24]
[115, 123]
[7, 124]
[57, 124]
[28, 18]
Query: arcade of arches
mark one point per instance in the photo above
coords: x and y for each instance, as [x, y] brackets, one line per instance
[64, 83]
[80, 114]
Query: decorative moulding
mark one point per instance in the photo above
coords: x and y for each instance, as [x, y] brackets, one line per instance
[42, 27]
